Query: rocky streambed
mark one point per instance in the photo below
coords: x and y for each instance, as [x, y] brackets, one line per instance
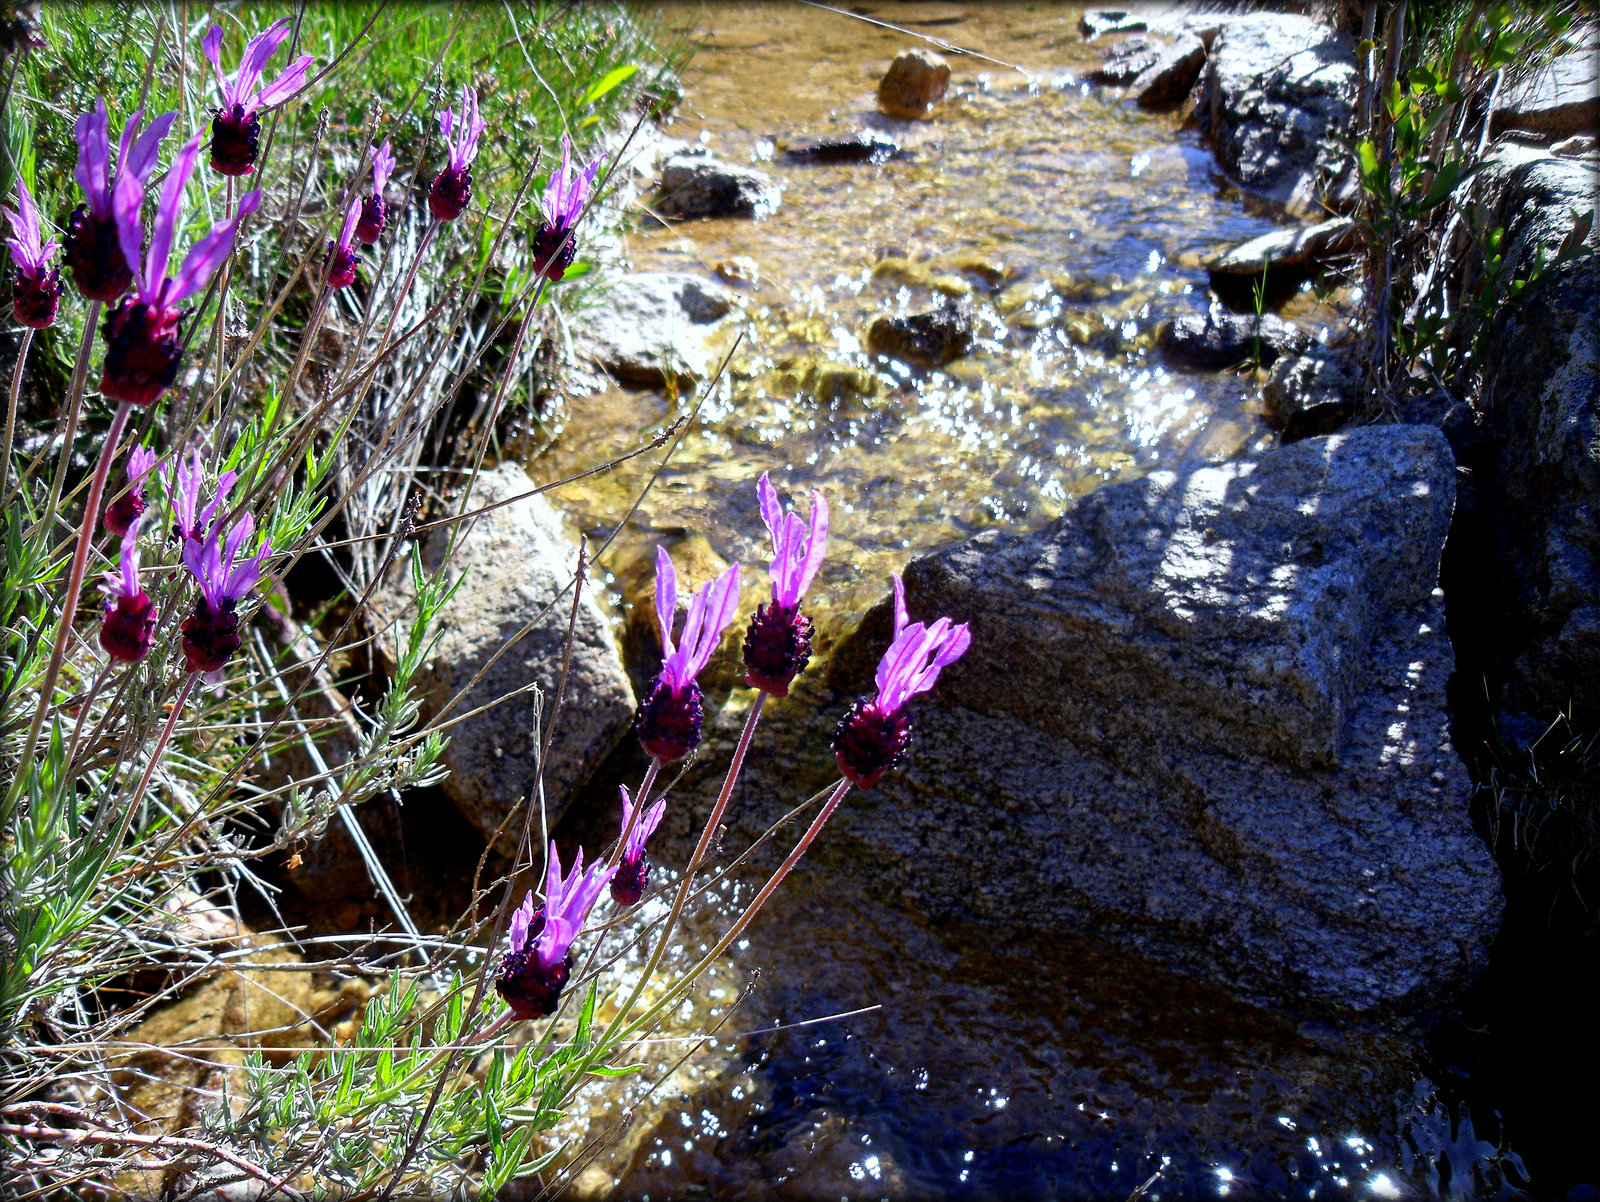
[1183, 869]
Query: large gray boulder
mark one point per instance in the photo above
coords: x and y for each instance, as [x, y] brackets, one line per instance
[1204, 717]
[1279, 90]
[1562, 97]
[1540, 490]
[518, 562]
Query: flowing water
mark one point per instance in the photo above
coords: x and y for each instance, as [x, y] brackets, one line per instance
[972, 1063]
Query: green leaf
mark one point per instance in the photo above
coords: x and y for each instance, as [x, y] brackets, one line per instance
[576, 272]
[586, 1016]
[1444, 183]
[608, 1070]
[610, 81]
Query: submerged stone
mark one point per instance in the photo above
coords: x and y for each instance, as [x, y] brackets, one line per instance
[923, 339]
[859, 146]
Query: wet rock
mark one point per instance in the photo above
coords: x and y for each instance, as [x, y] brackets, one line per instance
[1124, 61]
[915, 82]
[923, 339]
[1560, 98]
[518, 561]
[1308, 395]
[1273, 266]
[1167, 80]
[1098, 21]
[1279, 93]
[1213, 340]
[1204, 718]
[858, 146]
[1540, 489]
[1576, 146]
[702, 185]
[1301, 247]
[652, 326]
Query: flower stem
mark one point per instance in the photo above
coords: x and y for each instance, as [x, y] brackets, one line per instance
[686, 882]
[743, 920]
[11, 411]
[69, 602]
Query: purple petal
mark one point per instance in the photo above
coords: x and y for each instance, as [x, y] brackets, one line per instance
[709, 614]
[125, 204]
[382, 167]
[771, 511]
[666, 599]
[257, 52]
[26, 248]
[212, 45]
[130, 559]
[168, 210]
[352, 217]
[899, 605]
[140, 461]
[94, 160]
[285, 86]
[816, 542]
[210, 253]
[521, 919]
[145, 152]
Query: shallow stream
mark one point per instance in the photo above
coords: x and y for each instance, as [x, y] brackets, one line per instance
[989, 1065]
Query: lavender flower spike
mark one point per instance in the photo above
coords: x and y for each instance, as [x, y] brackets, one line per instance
[143, 339]
[537, 967]
[125, 511]
[36, 291]
[236, 128]
[777, 646]
[452, 187]
[375, 209]
[129, 622]
[94, 255]
[211, 633]
[874, 734]
[563, 201]
[190, 521]
[669, 719]
[342, 258]
[633, 869]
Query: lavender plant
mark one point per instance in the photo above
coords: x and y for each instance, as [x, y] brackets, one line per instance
[133, 738]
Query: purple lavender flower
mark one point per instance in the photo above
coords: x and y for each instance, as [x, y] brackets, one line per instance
[122, 514]
[452, 187]
[564, 198]
[129, 622]
[342, 258]
[143, 339]
[236, 128]
[777, 646]
[669, 720]
[633, 868]
[537, 967]
[211, 634]
[875, 732]
[36, 292]
[94, 252]
[375, 209]
[190, 521]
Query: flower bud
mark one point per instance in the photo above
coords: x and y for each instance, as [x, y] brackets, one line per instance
[670, 719]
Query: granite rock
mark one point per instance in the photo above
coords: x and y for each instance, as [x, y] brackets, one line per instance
[1203, 717]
